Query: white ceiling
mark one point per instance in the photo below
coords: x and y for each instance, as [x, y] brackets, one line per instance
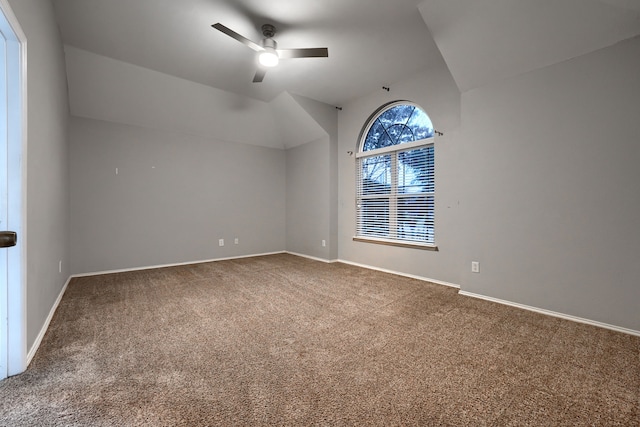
[371, 42]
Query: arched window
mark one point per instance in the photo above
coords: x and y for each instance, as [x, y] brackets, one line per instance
[395, 196]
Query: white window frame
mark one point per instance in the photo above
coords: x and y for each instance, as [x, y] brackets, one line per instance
[394, 196]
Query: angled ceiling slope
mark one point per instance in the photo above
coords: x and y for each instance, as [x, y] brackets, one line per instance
[105, 89]
[370, 42]
[487, 40]
[296, 126]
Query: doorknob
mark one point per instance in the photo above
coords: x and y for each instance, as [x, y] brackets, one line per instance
[8, 239]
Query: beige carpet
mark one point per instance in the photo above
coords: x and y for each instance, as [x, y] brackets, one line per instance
[283, 340]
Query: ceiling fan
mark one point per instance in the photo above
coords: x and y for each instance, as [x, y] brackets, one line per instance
[268, 52]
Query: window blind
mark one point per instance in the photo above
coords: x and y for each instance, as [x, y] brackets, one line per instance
[395, 195]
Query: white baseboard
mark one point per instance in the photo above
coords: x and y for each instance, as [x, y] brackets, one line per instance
[552, 313]
[504, 302]
[151, 267]
[327, 261]
[397, 273]
[45, 326]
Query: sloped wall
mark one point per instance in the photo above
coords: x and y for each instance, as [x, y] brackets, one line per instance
[106, 89]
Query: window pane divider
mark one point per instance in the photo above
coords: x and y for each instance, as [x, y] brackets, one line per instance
[400, 147]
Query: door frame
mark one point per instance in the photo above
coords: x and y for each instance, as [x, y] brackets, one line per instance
[14, 326]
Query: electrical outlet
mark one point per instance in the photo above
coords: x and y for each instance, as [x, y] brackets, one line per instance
[324, 243]
[475, 267]
[236, 241]
[59, 266]
[221, 242]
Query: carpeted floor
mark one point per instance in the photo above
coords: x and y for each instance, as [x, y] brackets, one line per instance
[283, 340]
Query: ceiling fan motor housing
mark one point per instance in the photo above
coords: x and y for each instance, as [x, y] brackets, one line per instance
[268, 43]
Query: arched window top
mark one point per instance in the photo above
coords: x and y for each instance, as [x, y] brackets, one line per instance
[396, 123]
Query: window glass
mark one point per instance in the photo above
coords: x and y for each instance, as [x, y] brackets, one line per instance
[397, 125]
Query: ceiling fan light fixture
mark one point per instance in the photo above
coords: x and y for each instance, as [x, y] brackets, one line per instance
[268, 57]
[268, 53]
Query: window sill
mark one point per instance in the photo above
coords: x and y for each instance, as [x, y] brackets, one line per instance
[423, 246]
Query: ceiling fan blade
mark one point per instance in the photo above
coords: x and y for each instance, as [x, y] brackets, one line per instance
[260, 72]
[228, 31]
[313, 52]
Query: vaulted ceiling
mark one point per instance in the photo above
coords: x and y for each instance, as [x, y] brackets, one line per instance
[371, 42]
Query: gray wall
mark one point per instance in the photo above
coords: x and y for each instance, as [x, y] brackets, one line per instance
[327, 117]
[537, 179]
[308, 199]
[47, 163]
[550, 187]
[174, 196]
